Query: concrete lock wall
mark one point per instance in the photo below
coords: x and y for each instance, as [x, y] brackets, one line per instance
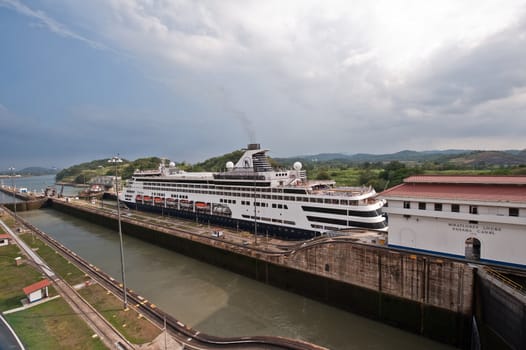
[500, 312]
[432, 297]
[27, 205]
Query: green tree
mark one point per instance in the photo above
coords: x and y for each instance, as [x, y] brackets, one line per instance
[323, 175]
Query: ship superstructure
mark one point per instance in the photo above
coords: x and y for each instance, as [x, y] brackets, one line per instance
[251, 195]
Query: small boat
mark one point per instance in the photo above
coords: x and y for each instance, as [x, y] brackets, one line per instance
[201, 205]
[186, 204]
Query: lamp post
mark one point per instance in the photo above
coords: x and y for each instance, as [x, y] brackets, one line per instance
[13, 187]
[255, 216]
[116, 160]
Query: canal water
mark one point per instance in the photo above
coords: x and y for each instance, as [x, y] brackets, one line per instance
[216, 301]
[35, 184]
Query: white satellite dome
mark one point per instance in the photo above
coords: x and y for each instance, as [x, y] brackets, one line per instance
[172, 164]
[229, 165]
[297, 166]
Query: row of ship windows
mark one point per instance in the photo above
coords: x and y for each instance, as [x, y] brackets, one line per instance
[263, 204]
[322, 227]
[229, 201]
[348, 223]
[182, 196]
[267, 196]
[455, 208]
[163, 186]
[262, 218]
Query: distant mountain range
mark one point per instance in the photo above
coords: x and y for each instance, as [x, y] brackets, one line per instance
[35, 171]
[454, 156]
[457, 157]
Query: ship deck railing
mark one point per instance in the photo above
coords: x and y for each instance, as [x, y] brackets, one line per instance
[347, 193]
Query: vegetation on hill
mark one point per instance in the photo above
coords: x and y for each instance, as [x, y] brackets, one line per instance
[83, 173]
[381, 171]
[216, 163]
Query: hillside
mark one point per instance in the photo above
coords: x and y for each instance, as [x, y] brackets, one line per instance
[491, 158]
[453, 156]
[351, 170]
[217, 163]
[83, 173]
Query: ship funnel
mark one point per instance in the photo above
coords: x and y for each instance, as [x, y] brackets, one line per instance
[253, 146]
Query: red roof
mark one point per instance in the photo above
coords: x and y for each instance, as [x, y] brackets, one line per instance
[474, 188]
[467, 179]
[36, 286]
[4, 236]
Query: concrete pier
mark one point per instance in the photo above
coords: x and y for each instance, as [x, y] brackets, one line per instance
[24, 201]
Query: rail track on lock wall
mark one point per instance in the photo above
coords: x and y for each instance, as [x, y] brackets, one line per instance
[191, 338]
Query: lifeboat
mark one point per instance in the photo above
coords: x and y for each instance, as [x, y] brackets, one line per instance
[186, 204]
[158, 200]
[147, 198]
[138, 198]
[202, 206]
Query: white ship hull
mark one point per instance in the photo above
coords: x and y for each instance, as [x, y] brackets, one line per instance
[251, 196]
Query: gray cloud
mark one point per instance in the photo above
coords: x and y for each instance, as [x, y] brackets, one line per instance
[459, 79]
[308, 77]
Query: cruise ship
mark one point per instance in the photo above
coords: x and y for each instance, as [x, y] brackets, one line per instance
[250, 195]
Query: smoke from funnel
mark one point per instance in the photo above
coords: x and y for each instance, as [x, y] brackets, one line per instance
[246, 123]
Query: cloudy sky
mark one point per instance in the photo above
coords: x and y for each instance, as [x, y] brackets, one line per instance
[83, 80]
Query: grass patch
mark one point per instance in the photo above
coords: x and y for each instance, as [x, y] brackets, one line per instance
[69, 272]
[136, 329]
[53, 325]
[9, 221]
[13, 278]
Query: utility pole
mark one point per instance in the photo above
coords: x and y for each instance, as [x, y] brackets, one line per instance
[13, 188]
[115, 161]
[255, 213]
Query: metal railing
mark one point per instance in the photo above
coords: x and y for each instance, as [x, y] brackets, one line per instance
[506, 280]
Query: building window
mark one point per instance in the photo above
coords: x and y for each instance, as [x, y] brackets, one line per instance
[455, 208]
[422, 206]
[438, 206]
[514, 211]
[407, 205]
[473, 209]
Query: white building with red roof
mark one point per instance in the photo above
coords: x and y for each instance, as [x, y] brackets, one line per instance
[37, 291]
[474, 217]
[4, 239]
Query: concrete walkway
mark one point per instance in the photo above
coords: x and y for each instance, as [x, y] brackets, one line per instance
[30, 305]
